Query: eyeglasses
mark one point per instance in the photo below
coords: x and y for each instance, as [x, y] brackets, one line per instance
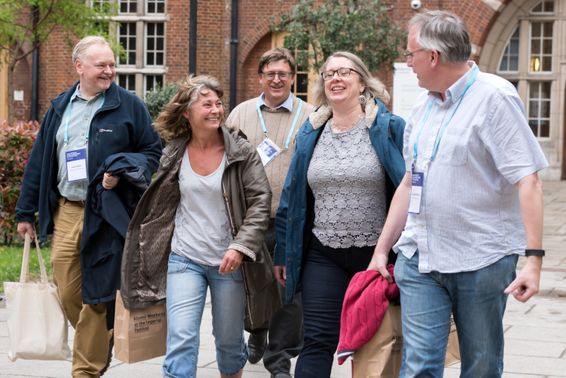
[342, 72]
[409, 54]
[283, 75]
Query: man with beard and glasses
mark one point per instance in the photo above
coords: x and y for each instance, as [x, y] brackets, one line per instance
[271, 122]
[93, 157]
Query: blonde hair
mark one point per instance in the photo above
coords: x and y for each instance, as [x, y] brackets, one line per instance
[373, 87]
[80, 48]
[171, 122]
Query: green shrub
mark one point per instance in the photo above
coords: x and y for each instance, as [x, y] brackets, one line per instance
[158, 97]
[16, 141]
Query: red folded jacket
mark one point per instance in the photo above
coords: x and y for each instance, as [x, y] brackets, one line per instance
[365, 303]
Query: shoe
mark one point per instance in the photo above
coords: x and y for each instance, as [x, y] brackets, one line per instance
[256, 346]
[281, 375]
[110, 346]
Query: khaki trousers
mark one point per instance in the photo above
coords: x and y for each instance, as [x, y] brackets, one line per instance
[90, 346]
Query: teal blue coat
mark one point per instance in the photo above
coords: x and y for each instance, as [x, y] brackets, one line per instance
[295, 215]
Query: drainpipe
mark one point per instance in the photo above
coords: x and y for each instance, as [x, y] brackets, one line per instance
[35, 69]
[193, 37]
[233, 54]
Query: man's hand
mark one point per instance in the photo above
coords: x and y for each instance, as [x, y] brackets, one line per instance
[109, 181]
[527, 282]
[280, 274]
[231, 261]
[26, 228]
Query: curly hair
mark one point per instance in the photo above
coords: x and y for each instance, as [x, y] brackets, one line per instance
[171, 122]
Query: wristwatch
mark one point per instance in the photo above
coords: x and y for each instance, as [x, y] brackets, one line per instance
[534, 252]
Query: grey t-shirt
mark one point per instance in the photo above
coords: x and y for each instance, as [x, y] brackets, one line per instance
[202, 230]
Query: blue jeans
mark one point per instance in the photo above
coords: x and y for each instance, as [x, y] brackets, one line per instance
[187, 284]
[478, 303]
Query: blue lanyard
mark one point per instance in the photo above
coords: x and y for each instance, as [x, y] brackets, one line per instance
[443, 127]
[70, 110]
[293, 123]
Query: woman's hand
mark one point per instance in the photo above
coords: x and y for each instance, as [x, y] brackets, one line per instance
[280, 274]
[231, 261]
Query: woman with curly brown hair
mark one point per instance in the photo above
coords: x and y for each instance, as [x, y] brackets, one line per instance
[200, 226]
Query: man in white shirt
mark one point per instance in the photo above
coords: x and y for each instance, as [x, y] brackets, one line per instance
[469, 205]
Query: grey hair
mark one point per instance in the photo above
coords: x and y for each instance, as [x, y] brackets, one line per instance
[80, 48]
[444, 32]
[373, 87]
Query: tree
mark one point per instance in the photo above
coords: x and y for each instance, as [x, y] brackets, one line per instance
[158, 97]
[26, 24]
[364, 27]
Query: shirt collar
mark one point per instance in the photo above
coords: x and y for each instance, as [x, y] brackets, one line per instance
[287, 104]
[77, 95]
[458, 89]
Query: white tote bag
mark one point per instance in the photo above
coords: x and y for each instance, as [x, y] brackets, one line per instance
[37, 326]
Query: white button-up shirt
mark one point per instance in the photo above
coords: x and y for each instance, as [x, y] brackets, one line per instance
[469, 215]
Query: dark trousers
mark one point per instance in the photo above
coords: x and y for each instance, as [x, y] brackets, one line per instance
[285, 338]
[325, 278]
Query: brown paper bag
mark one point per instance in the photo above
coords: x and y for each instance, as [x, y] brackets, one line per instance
[453, 349]
[381, 356]
[139, 334]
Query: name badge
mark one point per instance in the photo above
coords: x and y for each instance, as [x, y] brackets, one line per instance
[416, 192]
[76, 165]
[267, 151]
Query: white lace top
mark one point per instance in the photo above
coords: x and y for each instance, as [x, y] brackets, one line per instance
[348, 183]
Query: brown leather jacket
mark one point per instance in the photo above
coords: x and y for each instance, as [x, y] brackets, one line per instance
[248, 199]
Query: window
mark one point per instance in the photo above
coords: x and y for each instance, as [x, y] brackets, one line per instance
[540, 57]
[301, 85]
[539, 108]
[543, 7]
[152, 81]
[304, 79]
[127, 82]
[510, 58]
[155, 44]
[155, 6]
[526, 60]
[127, 39]
[140, 30]
[128, 6]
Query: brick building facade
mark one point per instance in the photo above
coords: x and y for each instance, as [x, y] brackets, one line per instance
[521, 40]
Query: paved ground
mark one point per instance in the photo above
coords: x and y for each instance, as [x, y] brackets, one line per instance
[535, 332]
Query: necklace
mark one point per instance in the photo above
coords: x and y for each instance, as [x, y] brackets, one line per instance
[343, 127]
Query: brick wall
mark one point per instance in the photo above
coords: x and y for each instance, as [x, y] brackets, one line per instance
[56, 70]
[177, 40]
[57, 73]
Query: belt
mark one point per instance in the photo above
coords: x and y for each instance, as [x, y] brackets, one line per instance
[80, 203]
